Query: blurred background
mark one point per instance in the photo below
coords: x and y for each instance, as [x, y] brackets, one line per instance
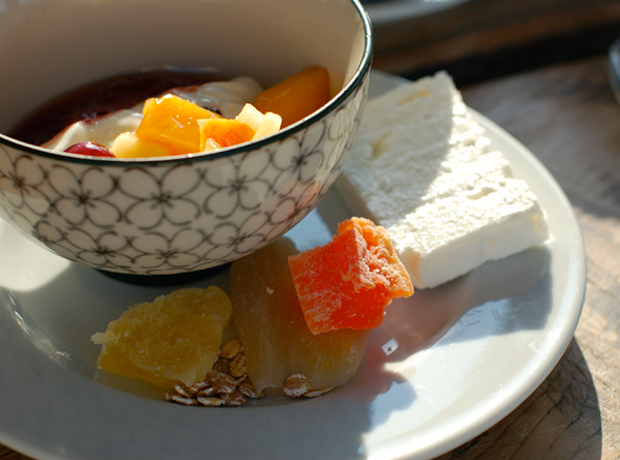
[478, 40]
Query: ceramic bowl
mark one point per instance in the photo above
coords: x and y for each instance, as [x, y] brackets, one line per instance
[186, 213]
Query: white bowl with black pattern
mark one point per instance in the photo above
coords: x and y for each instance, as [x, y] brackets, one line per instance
[186, 213]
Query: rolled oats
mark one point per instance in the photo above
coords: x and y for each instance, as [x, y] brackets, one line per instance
[296, 385]
[172, 396]
[316, 392]
[223, 382]
[208, 391]
[210, 401]
[237, 366]
[233, 399]
[231, 349]
[222, 365]
[247, 389]
[227, 383]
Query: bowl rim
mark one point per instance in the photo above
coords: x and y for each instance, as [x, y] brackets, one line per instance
[360, 73]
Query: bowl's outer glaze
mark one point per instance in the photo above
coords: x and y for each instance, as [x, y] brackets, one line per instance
[177, 217]
[184, 214]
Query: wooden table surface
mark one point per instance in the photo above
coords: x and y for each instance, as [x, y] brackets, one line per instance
[565, 113]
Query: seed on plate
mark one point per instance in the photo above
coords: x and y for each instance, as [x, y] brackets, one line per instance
[223, 382]
[237, 366]
[233, 399]
[315, 393]
[231, 349]
[210, 401]
[296, 385]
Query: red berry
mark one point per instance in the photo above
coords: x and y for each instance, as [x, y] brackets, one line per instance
[90, 148]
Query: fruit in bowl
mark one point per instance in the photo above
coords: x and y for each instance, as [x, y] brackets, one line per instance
[191, 211]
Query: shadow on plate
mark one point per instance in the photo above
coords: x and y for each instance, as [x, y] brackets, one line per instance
[512, 294]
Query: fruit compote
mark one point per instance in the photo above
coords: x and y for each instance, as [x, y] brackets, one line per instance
[114, 118]
[103, 97]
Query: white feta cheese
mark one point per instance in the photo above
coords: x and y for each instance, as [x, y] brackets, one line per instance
[423, 169]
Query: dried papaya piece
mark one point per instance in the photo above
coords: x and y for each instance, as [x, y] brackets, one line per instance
[349, 282]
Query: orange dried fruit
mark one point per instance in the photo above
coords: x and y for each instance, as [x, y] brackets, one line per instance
[271, 326]
[296, 96]
[174, 339]
[350, 281]
[224, 132]
[173, 121]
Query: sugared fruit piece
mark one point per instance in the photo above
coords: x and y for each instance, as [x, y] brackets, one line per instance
[173, 121]
[90, 148]
[263, 124]
[273, 331]
[174, 339]
[348, 282]
[297, 96]
[225, 132]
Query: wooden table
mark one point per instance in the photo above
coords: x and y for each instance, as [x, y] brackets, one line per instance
[567, 116]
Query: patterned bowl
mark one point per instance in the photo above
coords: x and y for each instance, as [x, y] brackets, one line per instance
[186, 213]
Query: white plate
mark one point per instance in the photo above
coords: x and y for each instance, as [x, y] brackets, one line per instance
[385, 12]
[446, 364]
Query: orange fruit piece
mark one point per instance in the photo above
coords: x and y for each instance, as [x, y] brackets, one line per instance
[174, 339]
[297, 96]
[350, 281]
[272, 328]
[173, 121]
[224, 132]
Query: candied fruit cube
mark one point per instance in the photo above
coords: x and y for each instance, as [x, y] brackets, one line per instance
[263, 124]
[174, 339]
[173, 121]
[271, 326]
[350, 281]
[297, 96]
[225, 132]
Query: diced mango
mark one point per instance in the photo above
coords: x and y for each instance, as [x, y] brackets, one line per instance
[129, 145]
[224, 132]
[173, 121]
[297, 96]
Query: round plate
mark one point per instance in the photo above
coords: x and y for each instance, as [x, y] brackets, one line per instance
[385, 12]
[445, 365]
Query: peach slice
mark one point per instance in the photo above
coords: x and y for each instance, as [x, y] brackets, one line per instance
[297, 96]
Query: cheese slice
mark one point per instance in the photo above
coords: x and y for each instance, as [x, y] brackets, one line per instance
[424, 169]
